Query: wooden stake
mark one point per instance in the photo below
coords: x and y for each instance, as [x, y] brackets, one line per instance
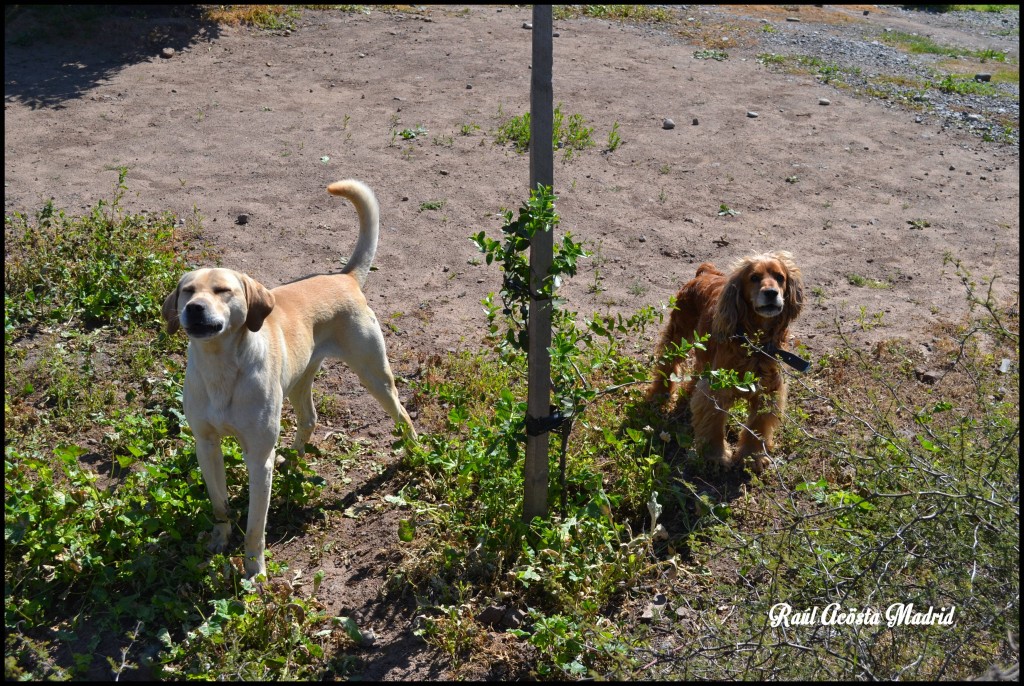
[542, 166]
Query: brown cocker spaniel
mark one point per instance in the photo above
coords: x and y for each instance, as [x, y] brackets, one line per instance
[747, 315]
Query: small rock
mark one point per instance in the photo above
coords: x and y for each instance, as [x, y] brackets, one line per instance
[695, 121]
[867, 12]
[527, 25]
[490, 616]
[445, 268]
[513, 619]
[242, 219]
[654, 609]
[443, 172]
[368, 638]
[753, 115]
[918, 119]
[167, 53]
[362, 54]
[556, 34]
[1004, 366]
[824, 101]
[975, 118]
[983, 78]
[927, 376]
[797, 20]
[642, 239]
[469, 86]
[668, 124]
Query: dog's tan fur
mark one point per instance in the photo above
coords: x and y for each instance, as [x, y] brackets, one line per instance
[250, 347]
[751, 308]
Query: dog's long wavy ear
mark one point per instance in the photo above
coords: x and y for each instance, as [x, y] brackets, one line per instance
[794, 294]
[260, 303]
[732, 308]
[170, 311]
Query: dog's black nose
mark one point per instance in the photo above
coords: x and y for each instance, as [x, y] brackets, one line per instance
[770, 293]
[194, 309]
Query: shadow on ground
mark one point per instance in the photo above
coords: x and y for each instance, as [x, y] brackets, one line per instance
[57, 53]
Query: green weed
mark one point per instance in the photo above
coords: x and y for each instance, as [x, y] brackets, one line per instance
[570, 134]
[963, 86]
[614, 140]
[432, 204]
[718, 55]
[633, 13]
[107, 268]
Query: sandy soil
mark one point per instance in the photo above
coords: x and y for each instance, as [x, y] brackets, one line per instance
[239, 121]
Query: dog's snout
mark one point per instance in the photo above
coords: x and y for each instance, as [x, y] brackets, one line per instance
[770, 293]
[194, 309]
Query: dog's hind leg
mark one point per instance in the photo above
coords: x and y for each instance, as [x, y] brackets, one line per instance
[301, 398]
[663, 387]
[368, 358]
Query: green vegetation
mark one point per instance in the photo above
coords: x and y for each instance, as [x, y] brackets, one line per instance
[570, 134]
[709, 54]
[104, 504]
[614, 139]
[916, 43]
[432, 204]
[633, 13]
[893, 484]
[828, 72]
[964, 86]
[962, 8]
[863, 281]
[267, 17]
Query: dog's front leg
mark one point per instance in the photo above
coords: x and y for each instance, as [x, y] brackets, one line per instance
[758, 439]
[709, 410]
[211, 463]
[259, 461]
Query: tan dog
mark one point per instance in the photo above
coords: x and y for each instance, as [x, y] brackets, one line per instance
[747, 314]
[250, 347]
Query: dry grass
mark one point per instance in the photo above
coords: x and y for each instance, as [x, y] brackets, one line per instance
[844, 14]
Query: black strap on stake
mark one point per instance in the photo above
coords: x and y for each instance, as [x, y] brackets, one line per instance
[555, 421]
[537, 426]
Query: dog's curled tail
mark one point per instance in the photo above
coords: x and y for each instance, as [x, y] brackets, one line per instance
[360, 195]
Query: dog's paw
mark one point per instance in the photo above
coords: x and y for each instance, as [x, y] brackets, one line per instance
[759, 462]
[254, 565]
[755, 455]
[718, 454]
[219, 538]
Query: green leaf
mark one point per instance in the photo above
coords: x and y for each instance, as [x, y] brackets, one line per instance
[406, 530]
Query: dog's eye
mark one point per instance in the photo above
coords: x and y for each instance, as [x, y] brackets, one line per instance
[220, 290]
[188, 290]
[755, 278]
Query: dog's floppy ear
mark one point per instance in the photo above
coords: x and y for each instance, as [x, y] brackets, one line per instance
[259, 301]
[794, 294]
[170, 310]
[731, 309]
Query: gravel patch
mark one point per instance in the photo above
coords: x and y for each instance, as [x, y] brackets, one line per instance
[855, 59]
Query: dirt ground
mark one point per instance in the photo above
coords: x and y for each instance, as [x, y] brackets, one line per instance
[258, 123]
